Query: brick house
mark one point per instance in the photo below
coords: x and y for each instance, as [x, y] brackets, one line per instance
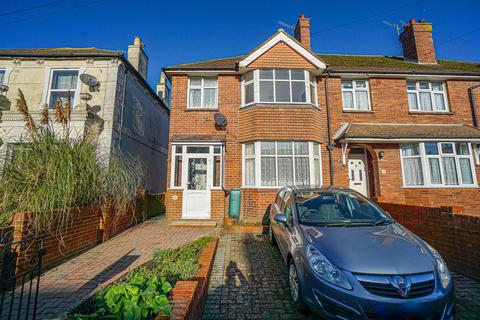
[397, 129]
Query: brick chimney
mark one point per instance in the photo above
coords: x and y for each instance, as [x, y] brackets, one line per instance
[417, 42]
[302, 31]
[137, 56]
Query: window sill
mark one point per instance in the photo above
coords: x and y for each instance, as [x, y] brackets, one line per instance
[357, 111]
[439, 187]
[439, 113]
[280, 105]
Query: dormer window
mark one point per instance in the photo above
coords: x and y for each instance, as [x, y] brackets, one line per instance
[279, 86]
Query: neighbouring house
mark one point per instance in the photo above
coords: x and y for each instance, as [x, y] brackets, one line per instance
[105, 86]
[400, 129]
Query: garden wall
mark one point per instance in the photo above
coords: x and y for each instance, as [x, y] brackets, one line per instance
[454, 235]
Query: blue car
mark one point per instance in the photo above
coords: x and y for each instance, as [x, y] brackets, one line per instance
[348, 259]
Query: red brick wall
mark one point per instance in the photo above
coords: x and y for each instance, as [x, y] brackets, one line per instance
[281, 56]
[254, 203]
[456, 237]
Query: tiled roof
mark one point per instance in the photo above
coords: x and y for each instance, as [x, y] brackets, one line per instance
[59, 52]
[406, 131]
[339, 62]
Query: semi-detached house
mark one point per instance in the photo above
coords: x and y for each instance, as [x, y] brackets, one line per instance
[397, 129]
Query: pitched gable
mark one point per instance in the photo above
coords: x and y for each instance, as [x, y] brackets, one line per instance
[281, 55]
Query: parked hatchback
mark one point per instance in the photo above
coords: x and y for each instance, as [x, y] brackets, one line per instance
[348, 259]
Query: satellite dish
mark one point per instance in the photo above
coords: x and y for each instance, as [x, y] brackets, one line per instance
[90, 81]
[220, 120]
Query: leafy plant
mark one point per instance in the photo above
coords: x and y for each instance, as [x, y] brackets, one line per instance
[53, 169]
[140, 298]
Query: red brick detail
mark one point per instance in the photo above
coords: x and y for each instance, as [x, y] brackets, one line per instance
[455, 236]
[188, 297]
[281, 55]
[254, 203]
[417, 42]
[244, 229]
[291, 123]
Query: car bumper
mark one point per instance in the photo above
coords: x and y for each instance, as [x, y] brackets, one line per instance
[334, 302]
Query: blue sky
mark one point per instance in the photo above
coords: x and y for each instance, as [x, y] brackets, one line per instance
[184, 31]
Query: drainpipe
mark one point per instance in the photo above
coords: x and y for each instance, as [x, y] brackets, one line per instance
[472, 104]
[330, 145]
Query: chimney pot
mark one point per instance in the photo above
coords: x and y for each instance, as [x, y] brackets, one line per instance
[302, 31]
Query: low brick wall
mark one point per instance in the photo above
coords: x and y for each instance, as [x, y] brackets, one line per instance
[188, 297]
[454, 235]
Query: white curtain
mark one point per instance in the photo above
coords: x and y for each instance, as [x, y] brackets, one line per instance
[450, 171]
[412, 101]
[435, 174]
[195, 98]
[285, 171]
[209, 97]
[301, 148]
[413, 171]
[316, 171]
[268, 171]
[439, 102]
[249, 172]
[284, 148]
[466, 171]
[361, 100]
[425, 101]
[65, 80]
[347, 99]
[302, 171]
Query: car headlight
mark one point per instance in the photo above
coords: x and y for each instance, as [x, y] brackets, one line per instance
[325, 270]
[442, 268]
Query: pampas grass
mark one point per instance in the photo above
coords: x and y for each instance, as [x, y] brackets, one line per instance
[50, 173]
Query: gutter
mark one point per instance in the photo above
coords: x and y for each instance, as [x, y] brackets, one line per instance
[330, 145]
[473, 105]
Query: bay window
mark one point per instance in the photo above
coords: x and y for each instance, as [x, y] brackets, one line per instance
[202, 93]
[355, 95]
[438, 164]
[281, 163]
[424, 96]
[289, 86]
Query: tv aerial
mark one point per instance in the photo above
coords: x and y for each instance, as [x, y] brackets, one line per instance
[286, 25]
[394, 26]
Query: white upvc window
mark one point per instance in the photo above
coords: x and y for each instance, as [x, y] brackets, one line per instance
[279, 86]
[2, 76]
[438, 164]
[202, 93]
[355, 95]
[179, 163]
[425, 96]
[62, 81]
[280, 163]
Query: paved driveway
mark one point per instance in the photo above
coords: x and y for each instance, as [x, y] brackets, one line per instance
[249, 281]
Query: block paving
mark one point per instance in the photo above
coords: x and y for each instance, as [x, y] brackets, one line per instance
[66, 286]
[249, 281]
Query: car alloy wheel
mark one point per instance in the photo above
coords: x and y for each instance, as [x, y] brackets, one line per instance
[293, 279]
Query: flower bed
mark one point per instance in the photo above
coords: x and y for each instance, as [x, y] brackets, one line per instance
[146, 292]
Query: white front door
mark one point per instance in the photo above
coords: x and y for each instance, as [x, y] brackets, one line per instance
[196, 192]
[357, 172]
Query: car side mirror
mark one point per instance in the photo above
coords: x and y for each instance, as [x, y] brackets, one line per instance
[281, 218]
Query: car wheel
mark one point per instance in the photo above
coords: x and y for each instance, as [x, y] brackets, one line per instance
[295, 289]
[271, 236]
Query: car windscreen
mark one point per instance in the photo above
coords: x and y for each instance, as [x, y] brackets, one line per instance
[338, 208]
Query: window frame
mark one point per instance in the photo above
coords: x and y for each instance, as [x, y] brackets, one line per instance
[427, 180]
[258, 167]
[4, 71]
[432, 92]
[202, 88]
[210, 163]
[353, 90]
[309, 80]
[76, 97]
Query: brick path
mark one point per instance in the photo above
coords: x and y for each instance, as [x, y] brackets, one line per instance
[249, 281]
[63, 288]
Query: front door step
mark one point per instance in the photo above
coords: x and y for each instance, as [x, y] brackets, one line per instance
[194, 224]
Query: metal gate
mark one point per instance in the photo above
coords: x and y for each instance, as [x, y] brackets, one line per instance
[21, 264]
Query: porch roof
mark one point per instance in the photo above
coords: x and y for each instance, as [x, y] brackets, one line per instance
[397, 132]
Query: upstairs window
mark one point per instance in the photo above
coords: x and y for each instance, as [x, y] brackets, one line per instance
[2, 76]
[279, 86]
[355, 95]
[62, 81]
[202, 93]
[426, 96]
